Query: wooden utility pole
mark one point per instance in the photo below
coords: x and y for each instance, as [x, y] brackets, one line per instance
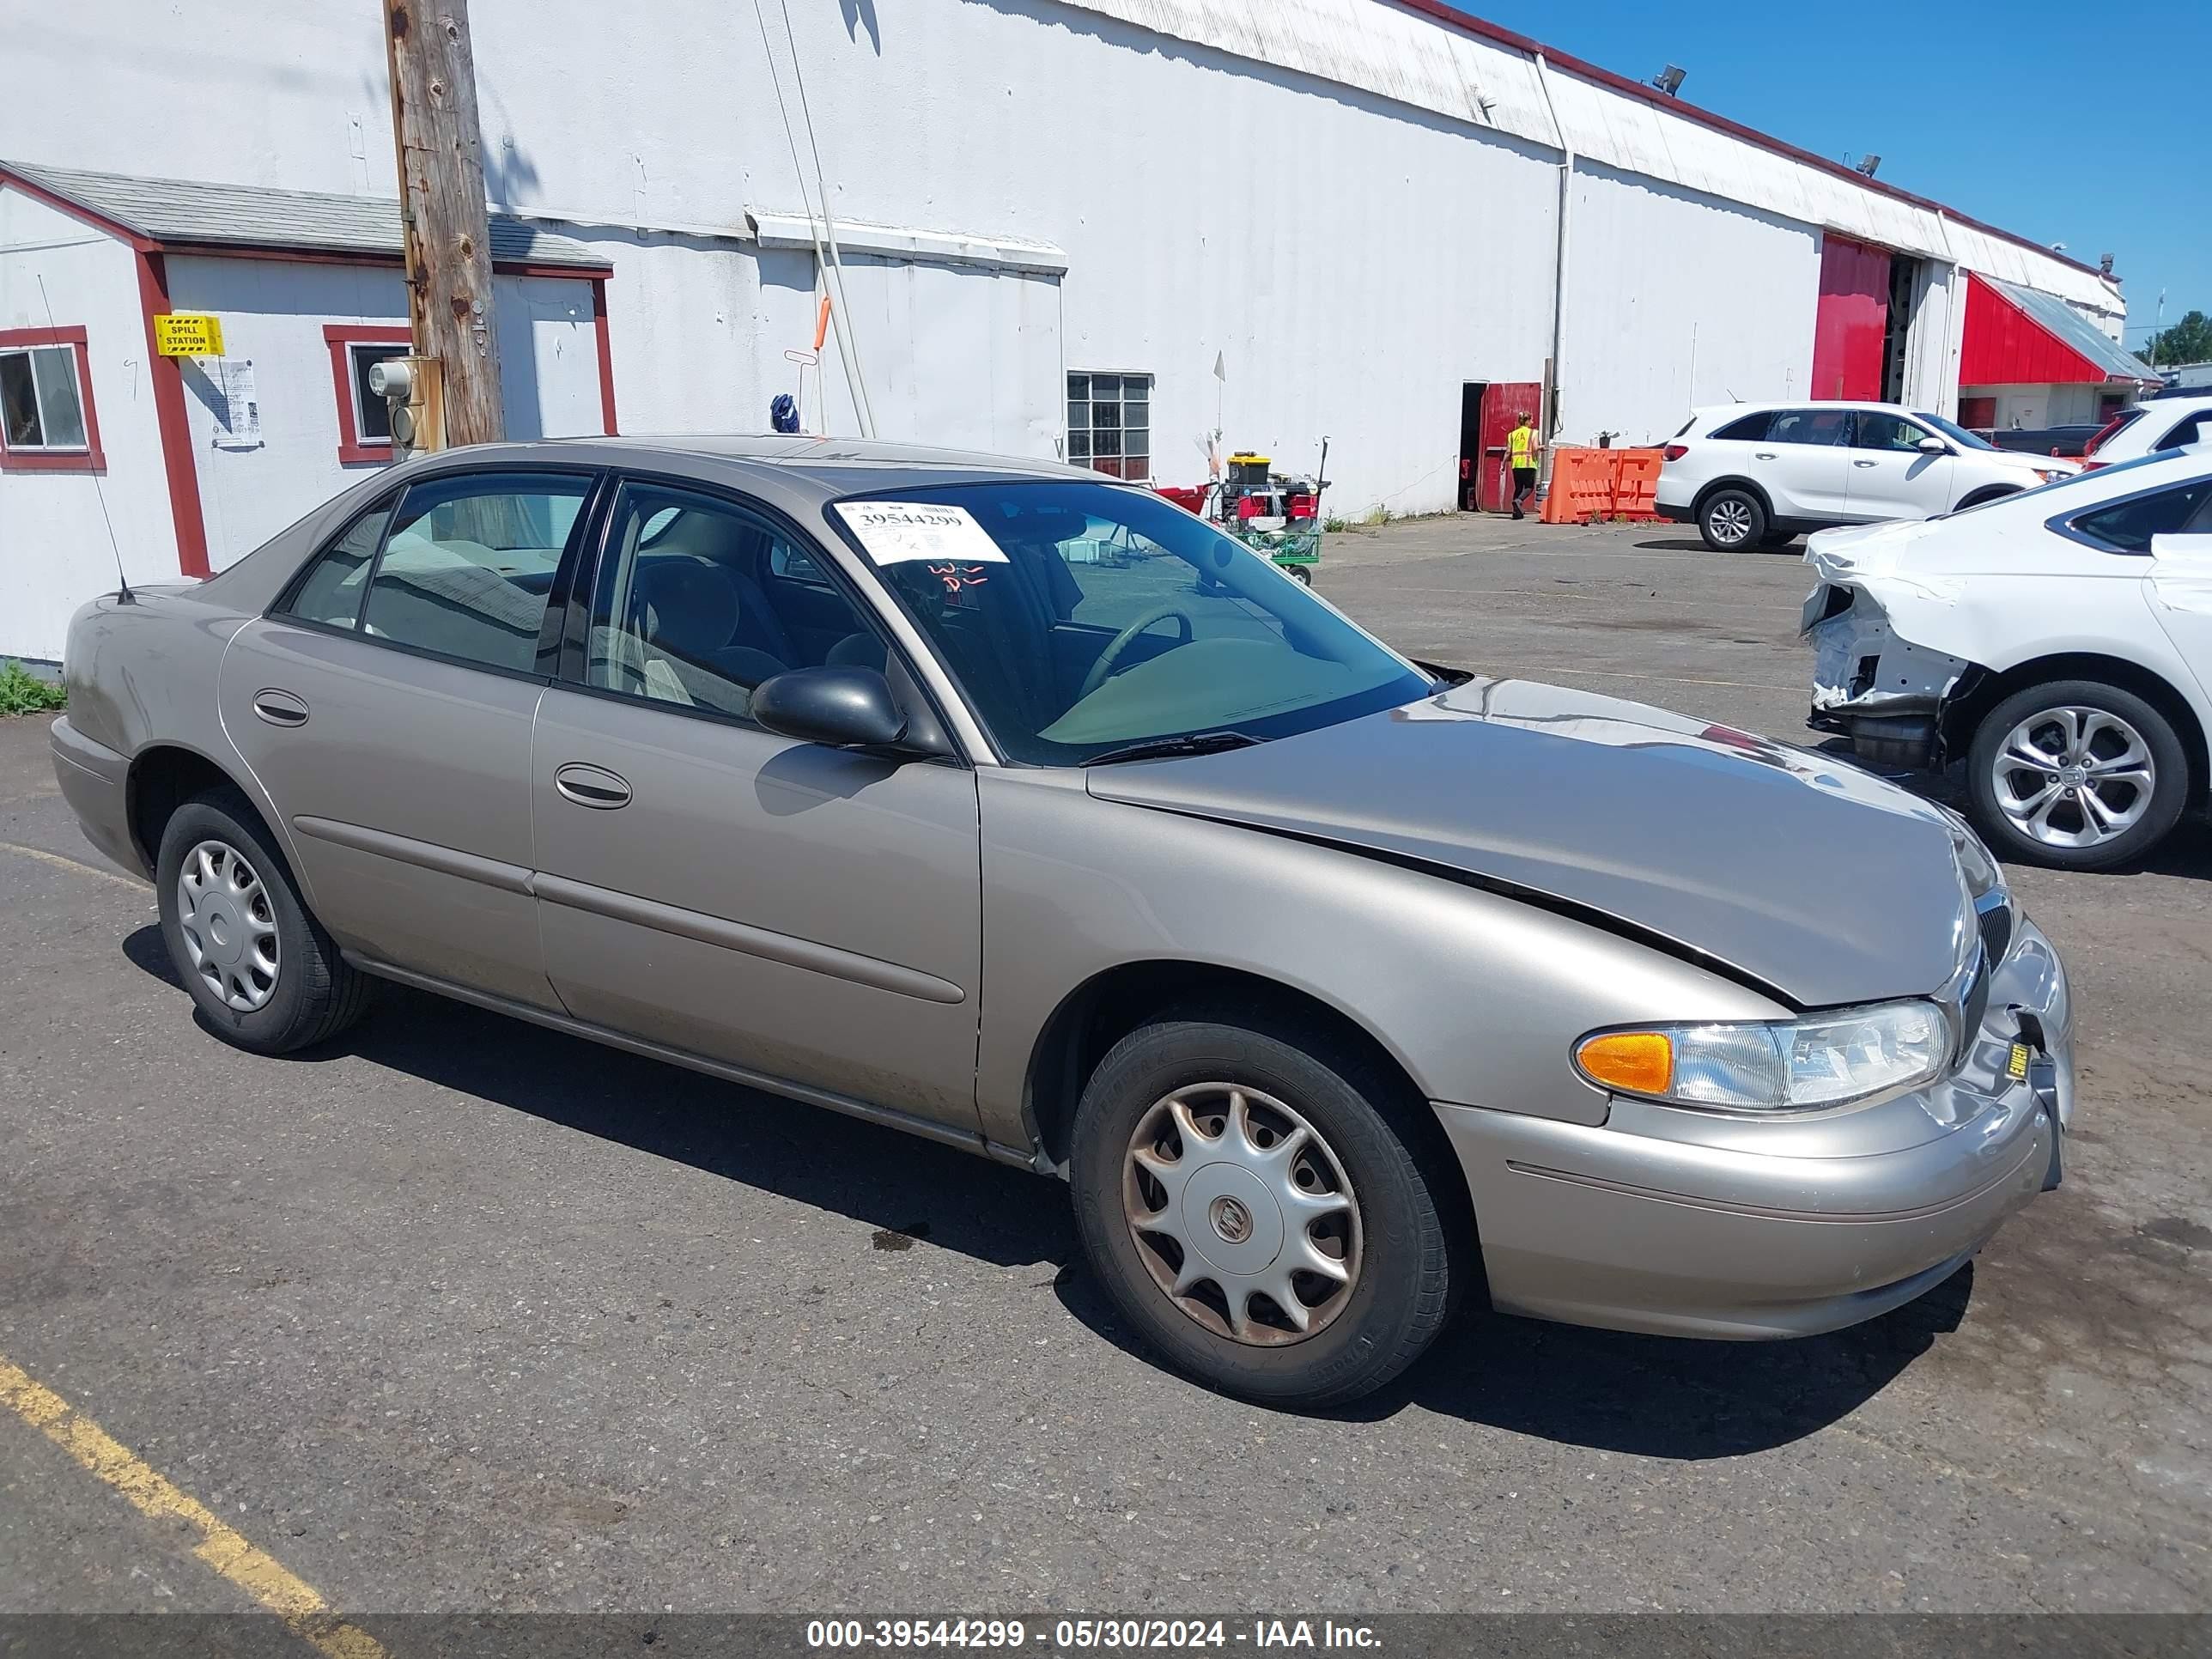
[442, 207]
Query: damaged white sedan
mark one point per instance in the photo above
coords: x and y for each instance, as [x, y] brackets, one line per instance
[2058, 641]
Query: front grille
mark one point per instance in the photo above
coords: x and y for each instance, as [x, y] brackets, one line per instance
[1995, 924]
[1976, 1005]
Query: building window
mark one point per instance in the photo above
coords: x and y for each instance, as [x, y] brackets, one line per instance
[47, 423]
[1109, 423]
[364, 419]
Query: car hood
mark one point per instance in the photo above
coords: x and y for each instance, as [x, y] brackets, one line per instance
[2028, 461]
[1806, 874]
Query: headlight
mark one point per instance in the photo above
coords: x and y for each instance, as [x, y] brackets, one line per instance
[2051, 474]
[1823, 1059]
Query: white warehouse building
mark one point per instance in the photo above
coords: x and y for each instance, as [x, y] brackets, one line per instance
[1116, 230]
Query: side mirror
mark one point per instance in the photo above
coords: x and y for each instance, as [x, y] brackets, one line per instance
[1934, 445]
[843, 708]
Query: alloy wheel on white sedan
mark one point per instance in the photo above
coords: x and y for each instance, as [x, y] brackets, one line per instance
[2074, 777]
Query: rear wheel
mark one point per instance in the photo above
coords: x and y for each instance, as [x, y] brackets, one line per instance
[2076, 773]
[263, 973]
[1731, 521]
[1255, 1208]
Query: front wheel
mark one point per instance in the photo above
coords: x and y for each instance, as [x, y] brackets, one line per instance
[1731, 521]
[1255, 1209]
[2076, 773]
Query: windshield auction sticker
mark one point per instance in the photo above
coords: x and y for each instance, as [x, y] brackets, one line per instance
[898, 533]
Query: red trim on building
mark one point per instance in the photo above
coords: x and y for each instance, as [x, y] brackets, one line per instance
[2005, 346]
[1455, 18]
[339, 338]
[91, 458]
[607, 356]
[572, 273]
[166, 377]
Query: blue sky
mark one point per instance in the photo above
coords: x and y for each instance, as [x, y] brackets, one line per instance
[1993, 109]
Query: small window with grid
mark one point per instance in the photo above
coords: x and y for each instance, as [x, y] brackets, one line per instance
[1109, 423]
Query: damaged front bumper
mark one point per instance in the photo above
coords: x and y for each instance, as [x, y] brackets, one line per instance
[1883, 692]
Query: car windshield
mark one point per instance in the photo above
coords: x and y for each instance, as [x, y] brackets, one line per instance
[1951, 430]
[1084, 619]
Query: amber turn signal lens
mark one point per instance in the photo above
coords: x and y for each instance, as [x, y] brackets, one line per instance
[1642, 1062]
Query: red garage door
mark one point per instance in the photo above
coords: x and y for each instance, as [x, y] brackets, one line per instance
[1847, 333]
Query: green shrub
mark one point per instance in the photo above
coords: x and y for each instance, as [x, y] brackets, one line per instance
[22, 692]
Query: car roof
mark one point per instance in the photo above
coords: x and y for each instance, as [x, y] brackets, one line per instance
[1715, 411]
[797, 467]
[843, 464]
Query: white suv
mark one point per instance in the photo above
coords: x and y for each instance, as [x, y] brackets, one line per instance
[2162, 424]
[1754, 475]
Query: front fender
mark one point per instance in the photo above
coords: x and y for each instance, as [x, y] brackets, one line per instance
[1478, 998]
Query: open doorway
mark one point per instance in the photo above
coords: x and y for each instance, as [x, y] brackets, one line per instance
[1470, 445]
[1896, 326]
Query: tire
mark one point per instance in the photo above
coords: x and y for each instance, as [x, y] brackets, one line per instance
[1301, 575]
[2142, 776]
[1731, 521]
[263, 973]
[1774, 539]
[1393, 1240]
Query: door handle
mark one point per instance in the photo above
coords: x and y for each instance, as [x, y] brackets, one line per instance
[590, 786]
[279, 708]
[1866, 463]
[1762, 455]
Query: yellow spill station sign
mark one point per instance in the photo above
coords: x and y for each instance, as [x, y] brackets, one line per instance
[187, 334]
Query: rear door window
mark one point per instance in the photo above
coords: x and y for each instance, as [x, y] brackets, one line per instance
[1811, 426]
[332, 591]
[468, 565]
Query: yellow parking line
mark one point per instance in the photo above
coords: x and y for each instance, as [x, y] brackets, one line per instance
[220, 1545]
[65, 863]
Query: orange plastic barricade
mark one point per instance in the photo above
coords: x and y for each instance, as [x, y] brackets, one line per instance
[1581, 485]
[1636, 485]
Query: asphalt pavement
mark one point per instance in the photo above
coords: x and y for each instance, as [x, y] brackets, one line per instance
[457, 1314]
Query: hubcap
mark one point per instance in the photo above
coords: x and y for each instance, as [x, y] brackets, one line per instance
[1241, 1214]
[2074, 777]
[230, 928]
[1729, 521]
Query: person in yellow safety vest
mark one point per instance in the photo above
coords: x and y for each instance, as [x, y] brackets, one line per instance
[1521, 451]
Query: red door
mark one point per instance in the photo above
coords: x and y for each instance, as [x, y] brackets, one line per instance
[1848, 328]
[1503, 403]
